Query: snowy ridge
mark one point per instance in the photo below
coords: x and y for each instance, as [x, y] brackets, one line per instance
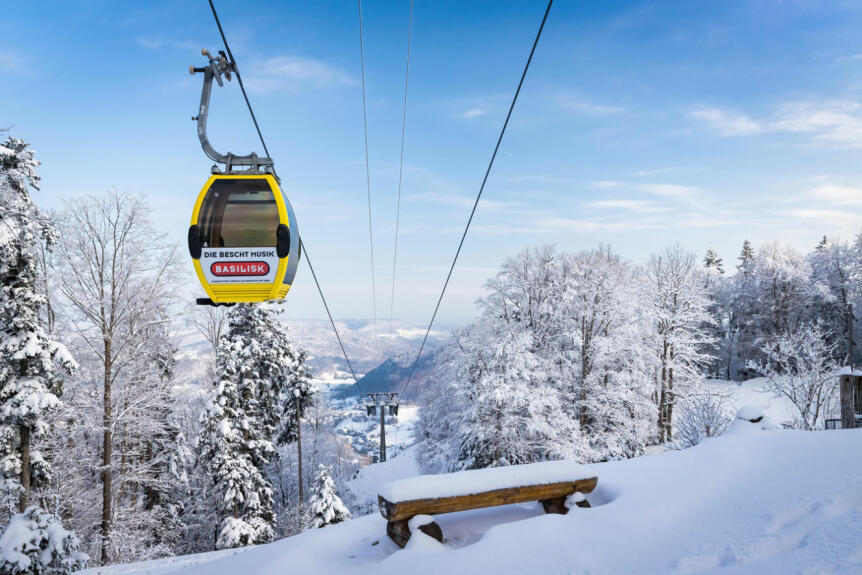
[479, 480]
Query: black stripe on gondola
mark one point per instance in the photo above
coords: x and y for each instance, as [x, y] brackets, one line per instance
[249, 202]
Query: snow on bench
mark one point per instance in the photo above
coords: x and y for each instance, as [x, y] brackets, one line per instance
[550, 482]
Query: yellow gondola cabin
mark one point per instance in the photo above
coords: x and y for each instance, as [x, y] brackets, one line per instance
[243, 239]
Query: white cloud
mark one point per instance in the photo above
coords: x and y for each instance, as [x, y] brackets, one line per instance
[838, 121]
[630, 205]
[473, 113]
[605, 184]
[656, 172]
[835, 121]
[669, 190]
[10, 62]
[825, 217]
[581, 106]
[294, 72]
[841, 195]
[727, 123]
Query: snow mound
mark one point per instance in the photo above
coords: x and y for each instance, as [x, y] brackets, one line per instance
[368, 481]
[741, 503]
[750, 413]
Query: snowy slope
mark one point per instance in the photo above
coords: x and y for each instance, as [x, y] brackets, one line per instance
[751, 501]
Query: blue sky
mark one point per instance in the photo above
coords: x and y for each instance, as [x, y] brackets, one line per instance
[640, 125]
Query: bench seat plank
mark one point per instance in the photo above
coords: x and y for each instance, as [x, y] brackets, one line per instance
[401, 510]
[481, 480]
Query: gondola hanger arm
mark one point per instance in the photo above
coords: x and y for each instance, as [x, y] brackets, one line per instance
[217, 69]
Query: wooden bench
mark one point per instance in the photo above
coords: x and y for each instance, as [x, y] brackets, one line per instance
[550, 483]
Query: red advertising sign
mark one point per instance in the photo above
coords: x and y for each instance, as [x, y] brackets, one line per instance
[239, 268]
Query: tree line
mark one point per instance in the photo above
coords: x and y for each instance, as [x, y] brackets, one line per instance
[589, 357]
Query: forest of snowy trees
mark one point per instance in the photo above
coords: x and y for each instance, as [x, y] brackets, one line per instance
[104, 458]
[589, 357]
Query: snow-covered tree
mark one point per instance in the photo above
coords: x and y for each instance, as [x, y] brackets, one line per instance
[677, 305]
[31, 362]
[241, 422]
[704, 413]
[117, 278]
[555, 367]
[712, 262]
[298, 395]
[325, 507]
[746, 255]
[800, 366]
[35, 543]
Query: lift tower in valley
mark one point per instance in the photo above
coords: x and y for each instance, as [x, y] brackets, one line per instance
[386, 402]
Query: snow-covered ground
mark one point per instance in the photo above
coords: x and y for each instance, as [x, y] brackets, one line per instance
[751, 501]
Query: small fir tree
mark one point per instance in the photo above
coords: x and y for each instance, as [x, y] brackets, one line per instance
[712, 262]
[35, 543]
[326, 508]
[745, 258]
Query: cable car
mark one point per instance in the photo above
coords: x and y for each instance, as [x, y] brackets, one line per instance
[243, 236]
[240, 239]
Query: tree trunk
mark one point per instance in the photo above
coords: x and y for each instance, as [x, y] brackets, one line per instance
[24, 501]
[299, 453]
[107, 441]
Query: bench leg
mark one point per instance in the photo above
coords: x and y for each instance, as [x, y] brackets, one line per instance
[399, 531]
[558, 505]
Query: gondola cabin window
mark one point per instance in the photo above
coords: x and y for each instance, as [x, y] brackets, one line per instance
[238, 213]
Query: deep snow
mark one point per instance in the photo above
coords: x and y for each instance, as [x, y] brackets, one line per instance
[752, 501]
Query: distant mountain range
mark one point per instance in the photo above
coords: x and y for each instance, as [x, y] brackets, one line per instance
[392, 374]
[383, 361]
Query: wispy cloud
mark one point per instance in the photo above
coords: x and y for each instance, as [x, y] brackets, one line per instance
[606, 184]
[627, 205]
[10, 62]
[669, 190]
[727, 123]
[582, 106]
[473, 113]
[838, 121]
[293, 73]
[655, 172]
[835, 121]
[827, 218]
[841, 195]
[454, 200]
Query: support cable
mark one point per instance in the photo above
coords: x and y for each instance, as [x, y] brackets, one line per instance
[303, 246]
[367, 169]
[331, 321]
[478, 197]
[239, 81]
[401, 167]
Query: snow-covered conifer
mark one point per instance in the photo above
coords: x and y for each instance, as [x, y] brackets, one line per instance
[30, 381]
[325, 507]
[712, 262]
[241, 422]
[35, 543]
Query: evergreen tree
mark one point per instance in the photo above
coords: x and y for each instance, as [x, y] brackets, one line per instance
[29, 380]
[241, 421]
[712, 262]
[745, 257]
[35, 543]
[325, 507]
